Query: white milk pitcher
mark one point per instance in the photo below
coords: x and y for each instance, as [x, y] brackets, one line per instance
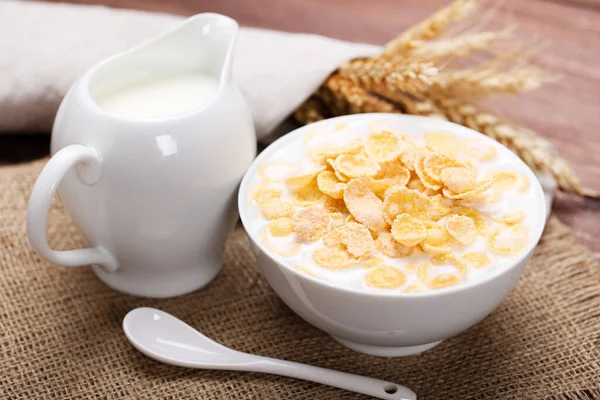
[149, 147]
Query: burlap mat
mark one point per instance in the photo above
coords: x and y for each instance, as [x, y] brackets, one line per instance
[60, 329]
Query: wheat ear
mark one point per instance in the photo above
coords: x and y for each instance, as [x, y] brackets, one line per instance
[312, 110]
[342, 96]
[378, 74]
[419, 106]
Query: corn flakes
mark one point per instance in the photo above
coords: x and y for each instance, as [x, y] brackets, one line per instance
[398, 174]
[504, 180]
[476, 216]
[373, 262]
[385, 277]
[476, 259]
[329, 184]
[307, 195]
[403, 200]
[357, 239]
[436, 234]
[433, 249]
[355, 165]
[416, 184]
[450, 258]
[441, 141]
[298, 181]
[437, 239]
[426, 180]
[263, 194]
[413, 289]
[438, 209]
[319, 155]
[440, 259]
[334, 257]
[333, 238]
[383, 146]
[423, 272]
[434, 163]
[408, 230]
[283, 253]
[410, 152]
[478, 150]
[471, 194]
[442, 248]
[336, 220]
[462, 229]
[387, 246]
[508, 241]
[493, 197]
[364, 205]
[335, 205]
[341, 177]
[443, 281]
[281, 227]
[393, 169]
[310, 224]
[277, 208]
[381, 200]
[512, 218]
[377, 186]
[458, 179]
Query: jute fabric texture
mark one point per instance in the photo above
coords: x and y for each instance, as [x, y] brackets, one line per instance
[61, 336]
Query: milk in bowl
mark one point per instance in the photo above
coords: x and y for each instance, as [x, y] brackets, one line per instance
[380, 209]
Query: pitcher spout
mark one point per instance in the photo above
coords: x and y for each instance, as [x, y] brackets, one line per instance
[210, 40]
[201, 44]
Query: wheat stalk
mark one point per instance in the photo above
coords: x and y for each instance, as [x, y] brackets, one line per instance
[471, 83]
[379, 74]
[458, 46]
[430, 28]
[533, 150]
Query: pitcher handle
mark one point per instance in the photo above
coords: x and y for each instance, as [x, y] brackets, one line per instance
[41, 198]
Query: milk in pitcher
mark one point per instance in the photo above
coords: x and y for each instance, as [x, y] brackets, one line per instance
[159, 95]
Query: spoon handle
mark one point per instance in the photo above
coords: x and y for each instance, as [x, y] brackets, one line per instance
[343, 380]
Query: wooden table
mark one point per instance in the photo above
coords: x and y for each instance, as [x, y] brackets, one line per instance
[567, 112]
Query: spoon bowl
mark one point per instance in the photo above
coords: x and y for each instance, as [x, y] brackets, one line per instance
[165, 338]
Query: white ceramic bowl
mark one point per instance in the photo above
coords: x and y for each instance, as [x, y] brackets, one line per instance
[386, 324]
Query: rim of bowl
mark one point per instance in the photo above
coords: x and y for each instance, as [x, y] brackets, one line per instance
[282, 141]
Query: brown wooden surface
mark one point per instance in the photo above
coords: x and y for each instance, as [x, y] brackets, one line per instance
[567, 112]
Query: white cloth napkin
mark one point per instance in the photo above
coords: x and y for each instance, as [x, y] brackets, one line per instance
[44, 47]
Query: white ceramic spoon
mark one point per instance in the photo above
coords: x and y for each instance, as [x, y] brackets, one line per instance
[165, 338]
